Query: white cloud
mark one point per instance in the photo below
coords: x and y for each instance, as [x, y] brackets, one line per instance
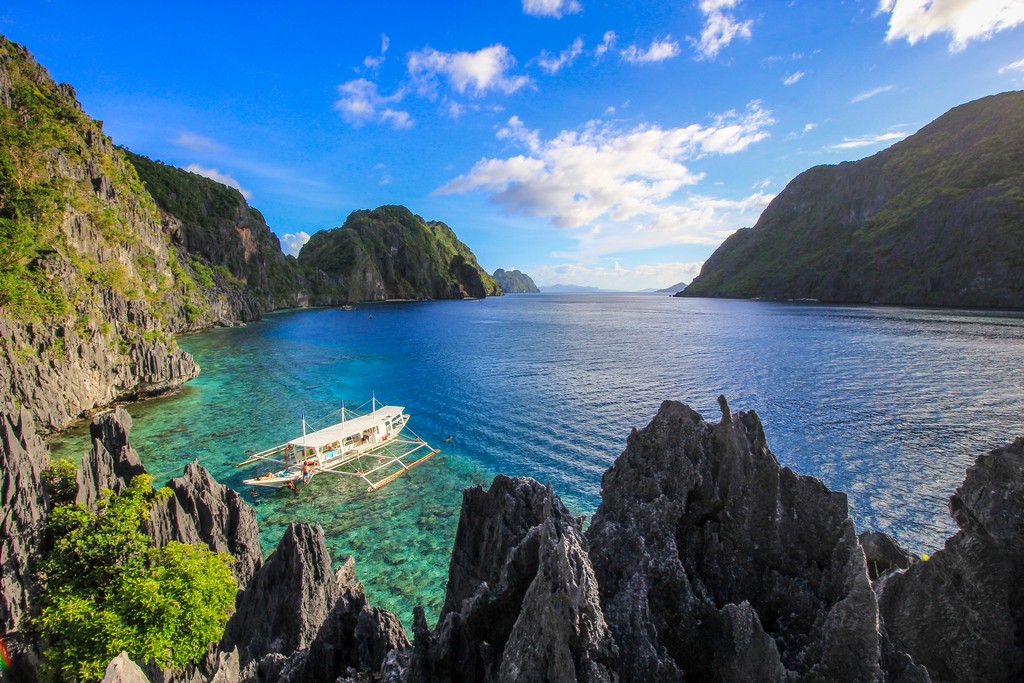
[615, 275]
[868, 94]
[375, 62]
[607, 43]
[808, 127]
[360, 103]
[291, 243]
[476, 72]
[1010, 68]
[222, 178]
[551, 8]
[720, 28]
[554, 63]
[793, 78]
[614, 188]
[963, 20]
[868, 140]
[659, 51]
[197, 142]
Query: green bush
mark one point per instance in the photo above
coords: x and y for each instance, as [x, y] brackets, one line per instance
[109, 589]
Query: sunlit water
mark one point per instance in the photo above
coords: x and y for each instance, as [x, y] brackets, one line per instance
[889, 405]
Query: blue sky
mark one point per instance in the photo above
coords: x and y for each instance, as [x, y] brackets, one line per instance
[603, 143]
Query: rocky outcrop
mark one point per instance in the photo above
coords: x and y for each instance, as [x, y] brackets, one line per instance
[934, 220]
[515, 282]
[715, 563]
[299, 621]
[202, 511]
[23, 506]
[521, 602]
[961, 613]
[883, 553]
[123, 670]
[112, 463]
[391, 253]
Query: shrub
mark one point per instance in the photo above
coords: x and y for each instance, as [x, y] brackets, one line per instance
[109, 589]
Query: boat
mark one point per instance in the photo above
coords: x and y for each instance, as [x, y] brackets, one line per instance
[368, 445]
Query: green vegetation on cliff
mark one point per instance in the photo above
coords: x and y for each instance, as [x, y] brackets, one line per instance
[391, 253]
[515, 282]
[108, 589]
[937, 219]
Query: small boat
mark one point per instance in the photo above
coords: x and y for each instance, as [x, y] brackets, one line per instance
[368, 446]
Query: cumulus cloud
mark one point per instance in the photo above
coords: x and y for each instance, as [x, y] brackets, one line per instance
[222, 178]
[1010, 68]
[473, 72]
[359, 102]
[868, 140]
[615, 187]
[868, 94]
[963, 20]
[659, 51]
[197, 142]
[720, 28]
[291, 243]
[551, 8]
[793, 78]
[555, 63]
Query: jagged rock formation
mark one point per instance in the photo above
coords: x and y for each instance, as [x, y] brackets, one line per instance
[882, 553]
[123, 670]
[23, 506]
[936, 219]
[91, 288]
[390, 253]
[961, 613]
[515, 282]
[295, 604]
[202, 511]
[715, 563]
[112, 463]
[521, 602]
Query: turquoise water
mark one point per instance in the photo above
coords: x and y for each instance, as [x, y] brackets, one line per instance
[887, 404]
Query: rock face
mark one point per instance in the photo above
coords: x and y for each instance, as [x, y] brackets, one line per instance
[521, 602]
[515, 282]
[299, 621]
[715, 563]
[203, 511]
[112, 463]
[936, 219]
[961, 613]
[23, 506]
[390, 253]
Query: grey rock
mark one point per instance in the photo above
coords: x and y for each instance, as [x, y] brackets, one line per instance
[700, 531]
[23, 507]
[123, 670]
[883, 553]
[203, 511]
[961, 613]
[521, 598]
[112, 463]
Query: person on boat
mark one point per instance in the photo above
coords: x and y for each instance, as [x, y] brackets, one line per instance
[306, 472]
[287, 455]
[292, 486]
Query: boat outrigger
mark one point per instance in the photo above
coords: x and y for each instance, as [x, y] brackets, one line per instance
[361, 445]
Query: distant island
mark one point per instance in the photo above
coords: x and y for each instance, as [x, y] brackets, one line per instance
[935, 220]
[572, 289]
[515, 282]
[674, 289]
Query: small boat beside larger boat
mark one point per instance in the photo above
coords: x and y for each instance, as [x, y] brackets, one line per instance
[368, 446]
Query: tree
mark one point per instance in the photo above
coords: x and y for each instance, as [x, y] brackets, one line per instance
[108, 588]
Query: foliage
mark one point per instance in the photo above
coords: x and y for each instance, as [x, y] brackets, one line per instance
[59, 477]
[109, 589]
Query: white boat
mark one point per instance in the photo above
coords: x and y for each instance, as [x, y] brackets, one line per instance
[368, 446]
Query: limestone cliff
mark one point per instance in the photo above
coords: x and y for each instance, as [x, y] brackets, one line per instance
[515, 282]
[937, 219]
[390, 253]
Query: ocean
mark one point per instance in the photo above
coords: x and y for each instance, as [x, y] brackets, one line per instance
[889, 405]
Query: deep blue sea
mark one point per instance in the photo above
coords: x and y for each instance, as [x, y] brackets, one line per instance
[889, 405]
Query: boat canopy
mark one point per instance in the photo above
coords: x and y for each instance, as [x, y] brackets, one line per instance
[343, 430]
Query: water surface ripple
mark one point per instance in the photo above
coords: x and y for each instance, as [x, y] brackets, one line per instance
[889, 405]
